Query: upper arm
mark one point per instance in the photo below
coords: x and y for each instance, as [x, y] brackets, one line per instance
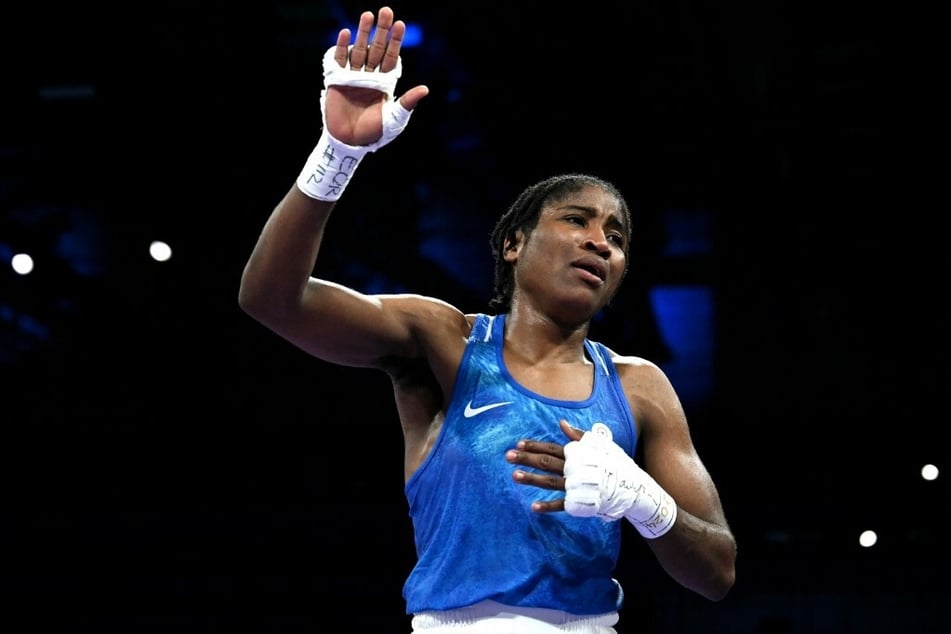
[344, 326]
[328, 320]
[669, 453]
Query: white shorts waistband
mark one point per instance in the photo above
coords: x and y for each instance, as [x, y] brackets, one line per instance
[491, 617]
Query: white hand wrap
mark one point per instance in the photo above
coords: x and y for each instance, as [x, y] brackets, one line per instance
[337, 75]
[331, 164]
[602, 480]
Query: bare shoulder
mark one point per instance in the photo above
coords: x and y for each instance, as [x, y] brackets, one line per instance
[437, 330]
[653, 398]
[638, 371]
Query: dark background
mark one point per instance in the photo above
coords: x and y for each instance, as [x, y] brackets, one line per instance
[170, 466]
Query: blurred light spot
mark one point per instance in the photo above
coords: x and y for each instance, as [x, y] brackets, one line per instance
[160, 251]
[413, 36]
[22, 263]
[868, 538]
[929, 472]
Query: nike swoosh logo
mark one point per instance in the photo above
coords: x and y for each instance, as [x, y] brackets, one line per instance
[475, 411]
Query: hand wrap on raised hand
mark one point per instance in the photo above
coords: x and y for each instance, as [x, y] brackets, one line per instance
[332, 162]
[602, 480]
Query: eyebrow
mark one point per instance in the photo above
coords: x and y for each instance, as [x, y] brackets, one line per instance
[615, 219]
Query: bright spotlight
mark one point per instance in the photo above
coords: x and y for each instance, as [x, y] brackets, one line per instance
[160, 251]
[22, 263]
[868, 538]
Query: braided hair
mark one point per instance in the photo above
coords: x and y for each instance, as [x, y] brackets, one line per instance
[523, 216]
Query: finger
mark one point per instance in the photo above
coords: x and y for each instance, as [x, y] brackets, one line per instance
[571, 432]
[391, 54]
[377, 47]
[535, 446]
[551, 506]
[540, 480]
[358, 55]
[544, 462]
[342, 49]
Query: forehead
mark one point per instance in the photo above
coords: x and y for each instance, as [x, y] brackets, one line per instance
[592, 199]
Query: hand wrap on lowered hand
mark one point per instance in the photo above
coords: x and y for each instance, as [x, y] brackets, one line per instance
[602, 480]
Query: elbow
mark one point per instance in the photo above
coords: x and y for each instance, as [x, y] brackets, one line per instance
[252, 301]
[724, 577]
[715, 576]
[721, 586]
[267, 304]
[246, 299]
[715, 587]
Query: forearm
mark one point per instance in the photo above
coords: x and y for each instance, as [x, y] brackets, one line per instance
[284, 256]
[698, 554]
[360, 115]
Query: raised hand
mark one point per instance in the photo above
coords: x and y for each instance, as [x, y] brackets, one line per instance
[360, 113]
[354, 114]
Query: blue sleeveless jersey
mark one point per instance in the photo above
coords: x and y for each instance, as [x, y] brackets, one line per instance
[476, 535]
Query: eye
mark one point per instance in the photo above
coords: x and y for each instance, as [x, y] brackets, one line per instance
[578, 220]
[616, 238]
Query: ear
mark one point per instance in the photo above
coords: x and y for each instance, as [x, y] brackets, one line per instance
[510, 254]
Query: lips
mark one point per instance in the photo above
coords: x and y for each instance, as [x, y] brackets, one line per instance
[593, 265]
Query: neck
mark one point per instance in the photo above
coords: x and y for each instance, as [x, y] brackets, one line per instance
[535, 336]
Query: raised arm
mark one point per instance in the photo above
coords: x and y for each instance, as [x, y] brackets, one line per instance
[360, 114]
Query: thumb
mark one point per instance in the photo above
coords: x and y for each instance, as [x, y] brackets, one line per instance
[573, 433]
[412, 97]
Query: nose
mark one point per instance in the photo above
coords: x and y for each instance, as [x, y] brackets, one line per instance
[597, 242]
